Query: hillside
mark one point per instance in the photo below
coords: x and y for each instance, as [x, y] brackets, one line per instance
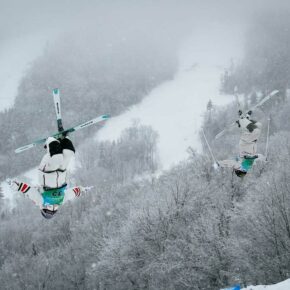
[159, 216]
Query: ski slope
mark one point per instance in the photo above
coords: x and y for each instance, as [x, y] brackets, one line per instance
[285, 285]
[175, 108]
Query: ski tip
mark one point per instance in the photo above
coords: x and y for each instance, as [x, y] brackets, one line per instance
[107, 116]
[275, 92]
[29, 146]
[21, 149]
[219, 135]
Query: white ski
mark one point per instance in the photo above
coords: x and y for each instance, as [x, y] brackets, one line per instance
[61, 131]
[59, 134]
[259, 104]
[56, 98]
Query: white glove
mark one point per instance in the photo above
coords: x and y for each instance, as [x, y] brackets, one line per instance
[85, 189]
[14, 185]
[262, 158]
[215, 166]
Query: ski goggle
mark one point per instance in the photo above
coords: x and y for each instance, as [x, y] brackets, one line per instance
[48, 214]
[50, 207]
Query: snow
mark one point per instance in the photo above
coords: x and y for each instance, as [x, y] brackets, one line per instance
[175, 108]
[30, 176]
[285, 285]
[8, 199]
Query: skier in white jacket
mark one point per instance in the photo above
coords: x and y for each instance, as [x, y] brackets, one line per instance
[52, 190]
[250, 133]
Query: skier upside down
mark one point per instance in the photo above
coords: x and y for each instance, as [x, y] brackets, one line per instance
[250, 133]
[52, 190]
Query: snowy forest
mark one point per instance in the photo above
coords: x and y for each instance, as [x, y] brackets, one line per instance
[190, 226]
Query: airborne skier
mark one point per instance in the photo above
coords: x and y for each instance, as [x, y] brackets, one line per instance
[52, 191]
[250, 133]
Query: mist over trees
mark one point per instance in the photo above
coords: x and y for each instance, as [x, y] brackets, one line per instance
[266, 62]
[99, 69]
[190, 227]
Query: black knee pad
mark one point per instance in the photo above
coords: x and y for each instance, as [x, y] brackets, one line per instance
[54, 148]
[67, 144]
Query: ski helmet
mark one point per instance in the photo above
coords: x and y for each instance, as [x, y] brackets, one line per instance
[46, 213]
[240, 173]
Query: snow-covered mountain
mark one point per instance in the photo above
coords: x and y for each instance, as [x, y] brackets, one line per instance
[174, 110]
[190, 227]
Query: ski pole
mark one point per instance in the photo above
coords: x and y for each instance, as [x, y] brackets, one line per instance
[267, 141]
[209, 149]
[237, 98]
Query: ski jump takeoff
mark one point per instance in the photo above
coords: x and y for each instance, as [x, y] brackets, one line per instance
[52, 190]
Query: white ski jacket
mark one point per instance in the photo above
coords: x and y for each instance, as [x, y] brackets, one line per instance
[52, 171]
[247, 146]
[248, 140]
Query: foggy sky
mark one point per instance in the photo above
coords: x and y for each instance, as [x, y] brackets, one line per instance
[23, 17]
